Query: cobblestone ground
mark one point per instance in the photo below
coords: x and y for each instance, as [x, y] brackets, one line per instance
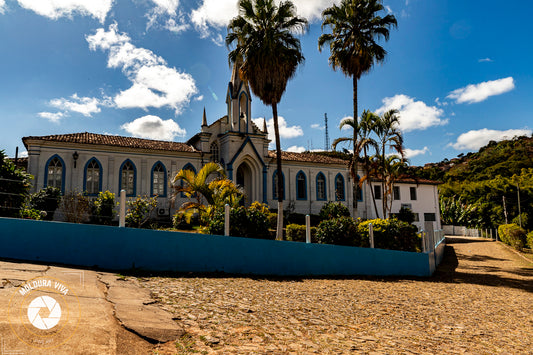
[480, 301]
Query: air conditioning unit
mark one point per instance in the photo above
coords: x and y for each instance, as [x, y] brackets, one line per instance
[162, 211]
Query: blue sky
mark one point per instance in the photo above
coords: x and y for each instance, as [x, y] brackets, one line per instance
[458, 71]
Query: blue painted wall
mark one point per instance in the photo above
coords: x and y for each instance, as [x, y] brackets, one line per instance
[122, 248]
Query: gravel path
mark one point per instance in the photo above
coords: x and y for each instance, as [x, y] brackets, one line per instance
[480, 301]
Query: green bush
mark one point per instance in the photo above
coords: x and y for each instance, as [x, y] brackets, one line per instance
[139, 211]
[179, 221]
[333, 210]
[296, 233]
[244, 222]
[406, 215]
[104, 208]
[392, 234]
[46, 200]
[530, 240]
[339, 231]
[30, 213]
[513, 235]
[14, 187]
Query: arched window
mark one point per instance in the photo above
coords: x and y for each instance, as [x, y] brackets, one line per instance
[128, 178]
[92, 182]
[159, 180]
[215, 152]
[339, 187]
[55, 173]
[301, 186]
[275, 185]
[321, 187]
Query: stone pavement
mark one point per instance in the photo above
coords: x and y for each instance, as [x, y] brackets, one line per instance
[478, 302]
[100, 314]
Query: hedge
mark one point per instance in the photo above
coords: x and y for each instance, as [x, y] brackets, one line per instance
[296, 233]
[392, 234]
[513, 235]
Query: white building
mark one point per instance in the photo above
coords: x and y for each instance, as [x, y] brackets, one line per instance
[95, 162]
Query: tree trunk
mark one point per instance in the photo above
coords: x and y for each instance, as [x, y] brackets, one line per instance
[279, 226]
[355, 157]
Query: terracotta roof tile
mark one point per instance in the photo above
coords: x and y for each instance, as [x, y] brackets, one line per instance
[307, 157]
[116, 141]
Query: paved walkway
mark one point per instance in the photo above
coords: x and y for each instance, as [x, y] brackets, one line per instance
[480, 301]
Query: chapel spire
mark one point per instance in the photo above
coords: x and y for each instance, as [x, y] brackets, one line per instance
[204, 119]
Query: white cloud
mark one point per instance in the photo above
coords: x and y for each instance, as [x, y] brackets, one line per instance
[317, 126]
[153, 127]
[55, 9]
[52, 116]
[482, 91]
[414, 115]
[199, 98]
[473, 140]
[176, 26]
[2, 6]
[487, 60]
[23, 154]
[216, 14]
[284, 130]
[154, 84]
[84, 105]
[168, 6]
[410, 153]
[296, 149]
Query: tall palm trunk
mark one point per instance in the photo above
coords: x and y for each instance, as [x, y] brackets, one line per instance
[367, 172]
[355, 157]
[279, 226]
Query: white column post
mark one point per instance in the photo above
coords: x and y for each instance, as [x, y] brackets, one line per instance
[226, 220]
[122, 212]
[371, 234]
[307, 228]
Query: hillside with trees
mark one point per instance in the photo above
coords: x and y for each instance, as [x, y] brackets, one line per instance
[483, 189]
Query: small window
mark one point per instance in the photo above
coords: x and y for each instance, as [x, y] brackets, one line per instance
[159, 180]
[301, 186]
[320, 187]
[412, 191]
[339, 188]
[215, 152]
[92, 177]
[55, 173]
[377, 192]
[429, 217]
[128, 178]
[396, 192]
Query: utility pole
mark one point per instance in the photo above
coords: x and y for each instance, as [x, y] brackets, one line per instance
[504, 209]
[519, 212]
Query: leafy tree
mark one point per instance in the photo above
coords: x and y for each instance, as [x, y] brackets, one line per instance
[104, 207]
[139, 211]
[267, 54]
[356, 27]
[14, 187]
[46, 200]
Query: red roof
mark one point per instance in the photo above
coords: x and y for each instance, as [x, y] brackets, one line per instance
[307, 157]
[116, 141]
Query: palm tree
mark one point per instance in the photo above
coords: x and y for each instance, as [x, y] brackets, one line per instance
[391, 168]
[268, 54]
[355, 29]
[389, 136]
[360, 143]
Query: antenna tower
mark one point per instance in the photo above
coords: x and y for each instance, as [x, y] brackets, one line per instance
[326, 141]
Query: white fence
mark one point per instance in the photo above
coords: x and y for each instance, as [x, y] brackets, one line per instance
[471, 232]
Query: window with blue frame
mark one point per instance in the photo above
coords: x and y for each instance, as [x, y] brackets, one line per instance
[321, 187]
[275, 185]
[339, 188]
[128, 177]
[159, 180]
[55, 173]
[92, 183]
[301, 186]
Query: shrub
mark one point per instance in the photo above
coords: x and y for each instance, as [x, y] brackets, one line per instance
[30, 213]
[47, 200]
[513, 235]
[104, 208]
[179, 221]
[406, 215]
[530, 240]
[333, 210]
[339, 231]
[139, 211]
[391, 234]
[249, 222]
[14, 187]
[299, 218]
[75, 207]
[296, 233]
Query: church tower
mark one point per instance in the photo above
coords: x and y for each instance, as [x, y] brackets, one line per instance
[239, 102]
